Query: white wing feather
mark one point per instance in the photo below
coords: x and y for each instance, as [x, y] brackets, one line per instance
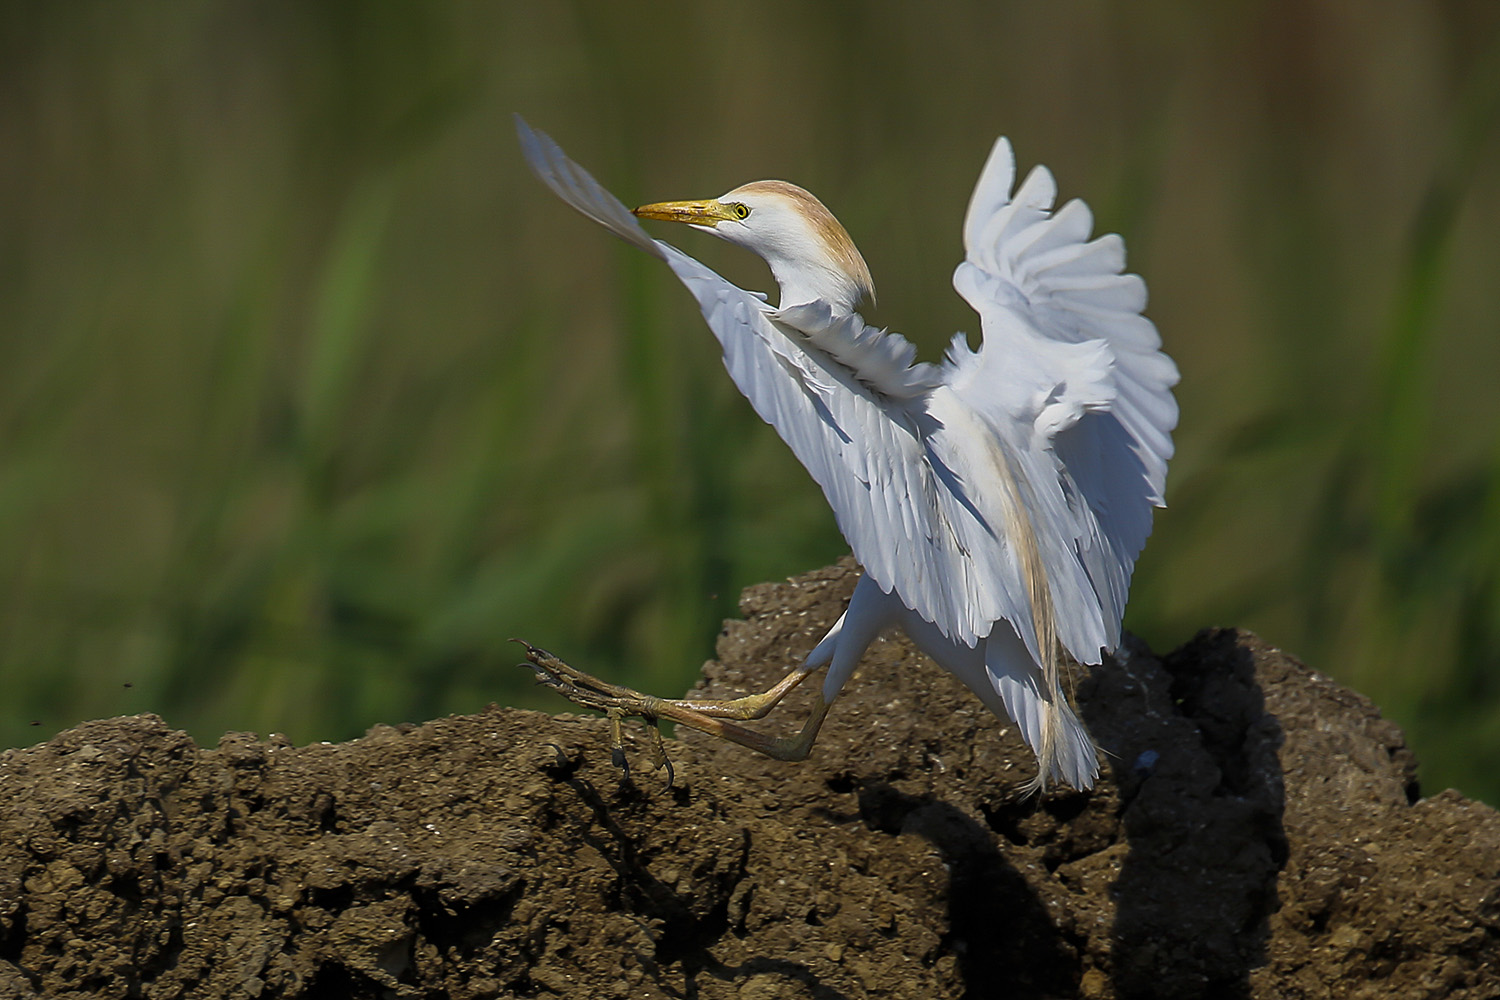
[1072, 378]
[1069, 394]
[855, 413]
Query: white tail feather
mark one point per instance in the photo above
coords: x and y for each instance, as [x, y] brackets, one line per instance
[1064, 750]
[999, 669]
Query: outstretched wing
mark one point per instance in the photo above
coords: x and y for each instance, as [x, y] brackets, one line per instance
[1063, 417]
[1072, 380]
[857, 413]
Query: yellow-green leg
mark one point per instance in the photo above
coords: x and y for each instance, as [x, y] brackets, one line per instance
[711, 716]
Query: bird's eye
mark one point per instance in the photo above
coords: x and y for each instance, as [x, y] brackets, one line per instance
[741, 210]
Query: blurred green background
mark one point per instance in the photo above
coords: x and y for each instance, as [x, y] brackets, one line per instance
[311, 397]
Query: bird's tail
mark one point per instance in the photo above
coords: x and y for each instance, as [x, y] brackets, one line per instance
[1005, 675]
[1034, 699]
[1033, 696]
[1062, 745]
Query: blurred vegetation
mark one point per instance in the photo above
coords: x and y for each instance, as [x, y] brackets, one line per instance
[310, 397]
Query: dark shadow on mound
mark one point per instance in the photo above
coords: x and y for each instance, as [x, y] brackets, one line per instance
[1004, 940]
[683, 936]
[1202, 796]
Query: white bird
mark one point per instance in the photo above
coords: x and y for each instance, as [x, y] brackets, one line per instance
[996, 501]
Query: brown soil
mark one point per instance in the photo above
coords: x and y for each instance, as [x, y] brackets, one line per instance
[1257, 834]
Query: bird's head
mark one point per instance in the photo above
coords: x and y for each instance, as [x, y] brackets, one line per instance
[809, 253]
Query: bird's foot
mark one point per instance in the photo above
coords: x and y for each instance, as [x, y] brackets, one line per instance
[616, 702]
[708, 716]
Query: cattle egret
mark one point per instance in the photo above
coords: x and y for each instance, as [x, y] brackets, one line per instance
[996, 501]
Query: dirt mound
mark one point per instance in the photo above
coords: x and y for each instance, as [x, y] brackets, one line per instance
[1258, 833]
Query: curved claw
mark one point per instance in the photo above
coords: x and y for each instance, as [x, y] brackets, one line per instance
[530, 649]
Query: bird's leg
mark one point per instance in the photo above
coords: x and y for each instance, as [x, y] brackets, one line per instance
[708, 716]
[617, 740]
[743, 709]
[659, 757]
[751, 706]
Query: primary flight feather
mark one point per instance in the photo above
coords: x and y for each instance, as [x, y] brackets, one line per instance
[996, 501]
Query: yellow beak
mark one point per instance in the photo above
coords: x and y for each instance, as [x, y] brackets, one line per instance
[694, 213]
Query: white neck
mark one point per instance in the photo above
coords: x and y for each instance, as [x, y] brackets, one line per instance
[801, 282]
